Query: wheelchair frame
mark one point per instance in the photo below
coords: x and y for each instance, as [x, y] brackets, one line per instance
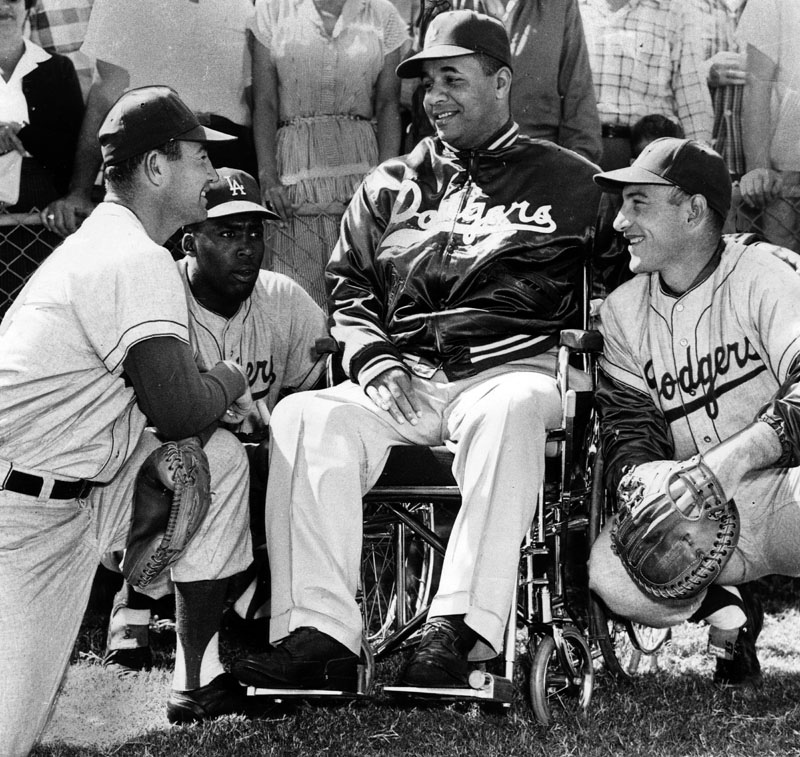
[569, 633]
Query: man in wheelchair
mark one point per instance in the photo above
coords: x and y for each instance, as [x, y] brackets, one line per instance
[456, 268]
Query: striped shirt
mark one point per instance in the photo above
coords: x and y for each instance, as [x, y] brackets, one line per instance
[646, 59]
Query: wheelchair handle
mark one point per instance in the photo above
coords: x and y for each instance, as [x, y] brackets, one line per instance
[581, 340]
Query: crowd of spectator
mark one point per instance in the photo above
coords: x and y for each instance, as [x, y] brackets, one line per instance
[308, 87]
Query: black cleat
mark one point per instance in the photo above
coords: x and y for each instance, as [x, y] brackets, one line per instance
[305, 659]
[440, 660]
[744, 670]
[126, 662]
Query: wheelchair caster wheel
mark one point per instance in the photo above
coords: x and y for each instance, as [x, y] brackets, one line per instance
[561, 675]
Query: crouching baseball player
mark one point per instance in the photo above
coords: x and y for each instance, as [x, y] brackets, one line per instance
[699, 408]
[95, 347]
[266, 323]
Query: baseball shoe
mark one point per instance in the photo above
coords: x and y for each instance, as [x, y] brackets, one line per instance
[744, 670]
[305, 659]
[223, 696]
[127, 646]
[440, 660]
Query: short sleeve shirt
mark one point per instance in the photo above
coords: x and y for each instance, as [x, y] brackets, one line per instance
[65, 406]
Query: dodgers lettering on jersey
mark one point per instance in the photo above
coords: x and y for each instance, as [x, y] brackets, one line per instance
[710, 376]
[465, 213]
[712, 357]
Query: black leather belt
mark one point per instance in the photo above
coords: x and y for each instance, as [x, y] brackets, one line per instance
[27, 483]
[616, 131]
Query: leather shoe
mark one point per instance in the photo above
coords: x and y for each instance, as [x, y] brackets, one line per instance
[223, 696]
[441, 659]
[305, 659]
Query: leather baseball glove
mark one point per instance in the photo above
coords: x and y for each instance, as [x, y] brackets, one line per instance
[670, 551]
[173, 492]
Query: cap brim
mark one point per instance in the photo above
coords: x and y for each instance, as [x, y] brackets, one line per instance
[204, 134]
[241, 206]
[411, 68]
[614, 181]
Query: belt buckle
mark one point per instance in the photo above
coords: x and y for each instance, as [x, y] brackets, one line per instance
[86, 487]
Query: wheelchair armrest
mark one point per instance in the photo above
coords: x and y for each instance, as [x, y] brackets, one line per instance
[326, 345]
[329, 347]
[579, 340]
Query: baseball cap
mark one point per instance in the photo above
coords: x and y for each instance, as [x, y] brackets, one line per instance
[235, 192]
[683, 163]
[148, 117]
[456, 33]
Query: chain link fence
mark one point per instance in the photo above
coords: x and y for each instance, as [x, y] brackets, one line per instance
[300, 248]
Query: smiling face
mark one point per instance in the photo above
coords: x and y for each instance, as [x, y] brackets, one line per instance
[226, 254]
[465, 105]
[190, 177]
[655, 228]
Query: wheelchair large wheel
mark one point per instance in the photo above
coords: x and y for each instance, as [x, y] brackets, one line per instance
[379, 569]
[563, 680]
[628, 649]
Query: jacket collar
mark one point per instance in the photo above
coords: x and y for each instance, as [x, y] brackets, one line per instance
[502, 138]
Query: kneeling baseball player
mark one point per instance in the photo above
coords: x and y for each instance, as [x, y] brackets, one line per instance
[698, 398]
[94, 349]
[265, 322]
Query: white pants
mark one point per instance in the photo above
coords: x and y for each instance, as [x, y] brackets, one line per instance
[769, 534]
[49, 552]
[329, 447]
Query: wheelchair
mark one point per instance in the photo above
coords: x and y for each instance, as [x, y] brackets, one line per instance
[558, 636]
[558, 630]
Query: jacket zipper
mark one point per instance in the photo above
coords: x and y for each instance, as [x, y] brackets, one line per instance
[467, 189]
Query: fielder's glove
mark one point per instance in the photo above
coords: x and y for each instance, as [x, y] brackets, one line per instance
[173, 492]
[673, 552]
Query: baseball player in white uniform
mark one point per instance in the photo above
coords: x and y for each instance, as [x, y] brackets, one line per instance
[95, 346]
[263, 321]
[702, 355]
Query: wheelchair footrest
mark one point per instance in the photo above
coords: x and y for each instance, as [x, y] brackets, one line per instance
[282, 694]
[482, 686]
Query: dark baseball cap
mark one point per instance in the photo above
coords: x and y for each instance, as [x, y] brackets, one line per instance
[235, 192]
[148, 117]
[683, 163]
[456, 33]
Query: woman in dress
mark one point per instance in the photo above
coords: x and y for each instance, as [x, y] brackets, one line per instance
[326, 110]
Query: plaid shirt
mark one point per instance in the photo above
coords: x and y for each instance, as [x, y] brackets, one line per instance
[717, 20]
[646, 59]
[59, 27]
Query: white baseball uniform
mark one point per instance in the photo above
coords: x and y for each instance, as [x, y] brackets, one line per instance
[272, 336]
[66, 413]
[709, 359]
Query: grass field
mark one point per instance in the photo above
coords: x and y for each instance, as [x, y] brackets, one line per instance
[671, 711]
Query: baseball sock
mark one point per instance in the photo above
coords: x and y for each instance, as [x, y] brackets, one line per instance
[722, 608]
[198, 611]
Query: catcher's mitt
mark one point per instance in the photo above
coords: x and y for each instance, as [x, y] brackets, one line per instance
[173, 492]
[667, 552]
